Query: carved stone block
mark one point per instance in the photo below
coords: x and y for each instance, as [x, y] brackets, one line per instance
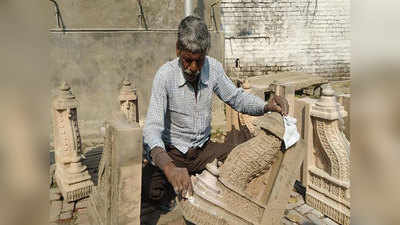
[224, 195]
[71, 176]
[328, 167]
[116, 198]
[128, 102]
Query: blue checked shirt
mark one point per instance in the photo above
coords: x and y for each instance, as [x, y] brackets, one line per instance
[176, 117]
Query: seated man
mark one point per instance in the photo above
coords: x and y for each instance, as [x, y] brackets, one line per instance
[177, 129]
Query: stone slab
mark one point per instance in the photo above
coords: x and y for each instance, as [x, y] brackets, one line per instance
[66, 215]
[314, 219]
[296, 217]
[116, 199]
[304, 209]
[283, 184]
[328, 221]
[55, 194]
[55, 210]
[285, 221]
[317, 213]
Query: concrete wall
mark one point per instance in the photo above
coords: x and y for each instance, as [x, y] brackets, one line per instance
[99, 42]
[95, 63]
[311, 36]
[102, 14]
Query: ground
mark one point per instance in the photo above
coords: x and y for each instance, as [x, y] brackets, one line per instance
[76, 213]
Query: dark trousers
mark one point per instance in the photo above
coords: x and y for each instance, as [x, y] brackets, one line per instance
[155, 186]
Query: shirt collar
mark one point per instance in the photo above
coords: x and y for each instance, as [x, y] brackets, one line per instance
[203, 74]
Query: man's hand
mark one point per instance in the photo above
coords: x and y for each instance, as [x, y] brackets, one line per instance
[180, 180]
[277, 104]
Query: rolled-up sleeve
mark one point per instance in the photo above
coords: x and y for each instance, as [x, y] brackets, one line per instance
[237, 98]
[154, 123]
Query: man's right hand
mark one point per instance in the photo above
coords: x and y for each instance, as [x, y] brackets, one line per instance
[180, 180]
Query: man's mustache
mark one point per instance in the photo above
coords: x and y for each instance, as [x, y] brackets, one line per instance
[190, 73]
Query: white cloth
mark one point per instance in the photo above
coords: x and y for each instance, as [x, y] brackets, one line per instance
[291, 135]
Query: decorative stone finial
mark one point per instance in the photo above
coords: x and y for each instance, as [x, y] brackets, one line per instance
[128, 101]
[327, 107]
[72, 177]
[327, 90]
[127, 92]
[65, 98]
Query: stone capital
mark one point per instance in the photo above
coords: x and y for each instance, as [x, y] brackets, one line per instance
[327, 106]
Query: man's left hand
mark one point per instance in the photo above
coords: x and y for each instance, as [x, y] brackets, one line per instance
[277, 104]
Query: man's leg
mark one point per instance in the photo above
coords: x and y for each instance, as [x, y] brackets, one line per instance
[207, 154]
[155, 186]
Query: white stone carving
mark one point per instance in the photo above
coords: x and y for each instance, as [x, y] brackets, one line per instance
[128, 101]
[71, 176]
[328, 185]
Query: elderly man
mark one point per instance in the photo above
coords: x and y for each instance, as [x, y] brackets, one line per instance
[177, 129]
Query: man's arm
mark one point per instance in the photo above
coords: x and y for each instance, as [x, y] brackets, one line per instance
[152, 138]
[154, 124]
[237, 98]
[245, 102]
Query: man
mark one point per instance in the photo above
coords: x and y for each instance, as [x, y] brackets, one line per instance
[177, 129]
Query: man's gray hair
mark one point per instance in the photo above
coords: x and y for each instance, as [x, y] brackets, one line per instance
[193, 35]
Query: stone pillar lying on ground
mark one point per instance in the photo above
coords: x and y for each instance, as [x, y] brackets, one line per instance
[252, 186]
[116, 198]
[71, 176]
[328, 167]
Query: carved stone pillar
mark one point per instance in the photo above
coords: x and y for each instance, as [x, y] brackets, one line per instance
[128, 102]
[71, 176]
[252, 186]
[116, 198]
[328, 184]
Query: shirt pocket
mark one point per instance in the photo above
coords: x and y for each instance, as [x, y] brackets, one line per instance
[203, 121]
[179, 117]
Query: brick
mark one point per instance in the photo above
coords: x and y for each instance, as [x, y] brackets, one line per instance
[292, 34]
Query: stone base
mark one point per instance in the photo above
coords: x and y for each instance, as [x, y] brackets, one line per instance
[327, 209]
[210, 215]
[96, 212]
[76, 191]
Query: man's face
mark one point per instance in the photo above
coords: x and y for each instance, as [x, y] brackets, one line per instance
[191, 64]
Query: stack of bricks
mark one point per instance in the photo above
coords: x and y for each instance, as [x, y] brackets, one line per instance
[293, 35]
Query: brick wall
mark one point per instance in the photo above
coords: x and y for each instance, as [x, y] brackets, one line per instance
[311, 36]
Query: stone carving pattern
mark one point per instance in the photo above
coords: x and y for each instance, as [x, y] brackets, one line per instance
[226, 194]
[239, 205]
[194, 213]
[72, 177]
[328, 210]
[128, 101]
[328, 134]
[327, 187]
[329, 192]
[249, 160]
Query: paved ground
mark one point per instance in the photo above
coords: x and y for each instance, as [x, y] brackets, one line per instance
[75, 213]
[297, 212]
